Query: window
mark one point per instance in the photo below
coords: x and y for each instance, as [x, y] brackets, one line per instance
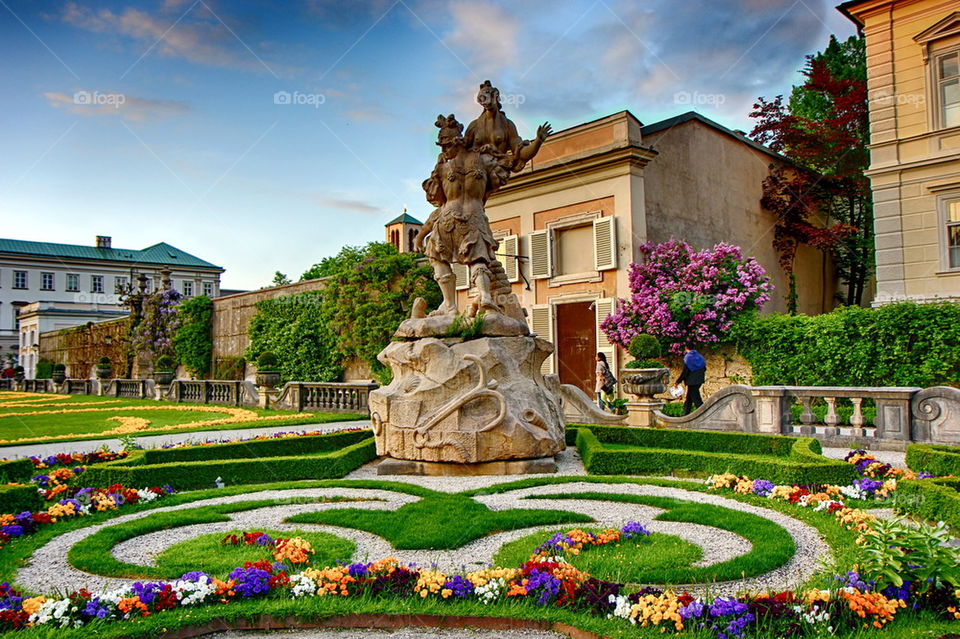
[952, 210]
[208, 289]
[19, 279]
[948, 89]
[96, 283]
[119, 284]
[46, 281]
[187, 289]
[73, 282]
[574, 250]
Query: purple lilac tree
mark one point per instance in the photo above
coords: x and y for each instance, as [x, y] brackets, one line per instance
[680, 295]
[153, 335]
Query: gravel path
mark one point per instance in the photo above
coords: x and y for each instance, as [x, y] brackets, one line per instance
[157, 441]
[405, 633]
[895, 458]
[48, 569]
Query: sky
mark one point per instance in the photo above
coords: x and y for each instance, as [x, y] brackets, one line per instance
[264, 136]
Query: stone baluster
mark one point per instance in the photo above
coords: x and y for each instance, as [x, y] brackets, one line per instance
[807, 417]
[831, 419]
[856, 420]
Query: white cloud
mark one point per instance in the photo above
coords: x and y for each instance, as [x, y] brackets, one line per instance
[94, 103]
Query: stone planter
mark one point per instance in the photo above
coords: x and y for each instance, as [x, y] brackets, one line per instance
[163, 378]
[104, 372]
[644, 382]
[268, 379]
[58, 378]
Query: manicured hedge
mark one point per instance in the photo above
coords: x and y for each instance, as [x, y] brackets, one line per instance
[276, 447]
[936, 460]
[16, 470]
[932, 499]
[653, 451]
[183, 475]
[16, 498]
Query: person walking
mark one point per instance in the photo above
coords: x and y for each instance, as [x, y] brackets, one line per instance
[693, 374]
[605, 380]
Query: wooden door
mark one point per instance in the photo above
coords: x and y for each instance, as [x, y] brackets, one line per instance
[577, 345]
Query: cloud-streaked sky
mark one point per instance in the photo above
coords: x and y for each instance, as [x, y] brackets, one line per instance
[263, 136]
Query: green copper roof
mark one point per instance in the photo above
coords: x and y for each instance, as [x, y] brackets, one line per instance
[161, 253]
[406, 218]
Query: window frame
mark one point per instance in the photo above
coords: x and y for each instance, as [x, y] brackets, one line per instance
[185, 284]
[584, 219]
[943, 208]
[94, 281]
[207, 288]
[75, 287]
[939, 106]
[26, 280]
[43, 281]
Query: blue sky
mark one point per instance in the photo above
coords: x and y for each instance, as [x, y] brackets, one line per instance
[158, 120]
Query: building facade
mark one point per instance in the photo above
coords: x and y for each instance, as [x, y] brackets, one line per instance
[913, 77]
[572, 221]
[73, 284]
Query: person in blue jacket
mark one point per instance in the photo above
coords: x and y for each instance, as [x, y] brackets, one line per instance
[693, 373]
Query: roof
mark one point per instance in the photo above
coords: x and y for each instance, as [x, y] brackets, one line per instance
[693, 116]
[161, 253]
[406, 218]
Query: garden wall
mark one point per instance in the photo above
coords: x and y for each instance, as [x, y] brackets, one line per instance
[80, 348]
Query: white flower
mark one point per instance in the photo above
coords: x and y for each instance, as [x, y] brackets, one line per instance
[302, 586]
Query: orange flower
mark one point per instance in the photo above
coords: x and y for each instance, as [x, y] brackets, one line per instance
[133, 605]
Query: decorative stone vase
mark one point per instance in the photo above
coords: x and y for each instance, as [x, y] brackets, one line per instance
[644, 382]
[58, 378]
[163, 377]
[268, 379]
[104, 372]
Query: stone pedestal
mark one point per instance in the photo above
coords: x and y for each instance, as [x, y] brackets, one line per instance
[466, 402]
[391, 466]
[640, 411]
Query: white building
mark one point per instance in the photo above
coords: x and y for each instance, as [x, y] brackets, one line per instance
[78, 284]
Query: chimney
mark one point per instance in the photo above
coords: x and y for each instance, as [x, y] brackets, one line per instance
[103, 241]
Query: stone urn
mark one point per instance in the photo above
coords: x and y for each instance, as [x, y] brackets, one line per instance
[268, 379]
[163, 378]
[58, 377]
[644, 382]
[104, 371]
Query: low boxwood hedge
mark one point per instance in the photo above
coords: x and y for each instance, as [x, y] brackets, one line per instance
[274, 447]
[642, 451]
[936, 460]
[16, 498]
[329, 460]
[932, 499]
[16, 470]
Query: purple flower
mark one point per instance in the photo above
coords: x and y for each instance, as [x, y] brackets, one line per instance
[633, 529]
[460, 586]
[762, 487]
[251, 581]
[692, 610]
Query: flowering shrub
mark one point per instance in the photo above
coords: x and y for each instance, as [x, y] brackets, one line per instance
[681, 295]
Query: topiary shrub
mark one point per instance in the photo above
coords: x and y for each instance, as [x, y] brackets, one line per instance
[267, 361]
[645, 350]
[104, 361]
[59, 368]
[164, 363]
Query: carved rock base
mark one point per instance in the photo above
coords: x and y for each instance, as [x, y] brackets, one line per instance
[391, 466]
[467, 402]
[640, 411]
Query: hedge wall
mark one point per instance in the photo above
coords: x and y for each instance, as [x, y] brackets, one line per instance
[16, 470]
[936, 460]
[16, 498]
[931, 499]
[777, 459]
[281, 446]
[183, 475]
[904, 344]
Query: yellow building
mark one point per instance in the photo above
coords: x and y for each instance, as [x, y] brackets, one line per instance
[573, 220]
[913, 75]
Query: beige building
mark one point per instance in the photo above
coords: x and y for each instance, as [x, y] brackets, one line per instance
[913, 75]
[573, 220]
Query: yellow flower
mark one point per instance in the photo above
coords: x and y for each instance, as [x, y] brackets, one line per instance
[32, 605]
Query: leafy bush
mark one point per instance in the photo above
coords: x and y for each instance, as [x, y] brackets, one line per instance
[844, 413]
[931, 499]
[898, 551]
[936, 460]
[104, 361]
[16, 498]
[16, 470]
[615, 450]
[44, 369]
[644, 346]
[59, 368]
[903, 344]
[644, 363]
[164, 363]
[229, 368]
[193, 339]
[267, 361]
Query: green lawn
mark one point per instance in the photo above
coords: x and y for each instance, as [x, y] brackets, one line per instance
[88, 417]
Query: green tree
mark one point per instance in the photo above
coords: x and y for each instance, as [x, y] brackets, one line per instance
[193, 341]
[279, 279]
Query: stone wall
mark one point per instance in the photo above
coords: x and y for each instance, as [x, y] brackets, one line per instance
[725, 367]
[82, 347]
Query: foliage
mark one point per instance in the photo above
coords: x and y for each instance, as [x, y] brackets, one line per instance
[59, 368]
[823, 199]
[680, 295]
[298, 331]
[193, 340]
[227, 367]
[44, 369]
[154, 334]
[931, 499]
[645, 346]
[17, 498]
[902, 554]
[644, 363]
[267, 361]
[612, 450]
[280, 279]
[902, 344]
[618, 406]
[466, 328]
[936, 460]
[164, 363]
[104, 361]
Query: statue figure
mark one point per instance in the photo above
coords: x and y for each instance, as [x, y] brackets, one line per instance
[471, 167]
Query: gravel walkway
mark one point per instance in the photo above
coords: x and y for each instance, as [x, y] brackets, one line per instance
[157, 441]
[405, 633]
[48, 570]
[897, 459]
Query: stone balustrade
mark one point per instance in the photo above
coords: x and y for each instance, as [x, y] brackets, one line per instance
[331, 397]
[903, 414]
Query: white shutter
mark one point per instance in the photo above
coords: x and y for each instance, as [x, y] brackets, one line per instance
[605, 243]
[541, 323]
[510, 247]
[462, 271]
[603, 308]
[541, 255]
